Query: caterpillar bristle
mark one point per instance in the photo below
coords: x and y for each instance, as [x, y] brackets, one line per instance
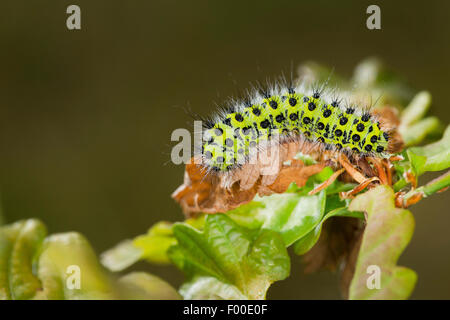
[279, 112]
[207, 123]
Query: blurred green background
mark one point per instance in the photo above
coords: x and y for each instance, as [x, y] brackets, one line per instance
[86, 116]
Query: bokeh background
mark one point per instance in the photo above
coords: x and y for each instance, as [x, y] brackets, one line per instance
[86, 116]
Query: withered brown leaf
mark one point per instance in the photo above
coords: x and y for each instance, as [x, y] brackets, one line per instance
[212, 193]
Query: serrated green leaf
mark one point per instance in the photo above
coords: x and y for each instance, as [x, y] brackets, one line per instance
[267, 262]
[233, 255]
[387, 234]
[192, 254]
[292, 214]
[432, 157]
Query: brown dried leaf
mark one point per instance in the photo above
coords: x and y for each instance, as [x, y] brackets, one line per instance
[299, 175]
[200, 193]
[220, 193]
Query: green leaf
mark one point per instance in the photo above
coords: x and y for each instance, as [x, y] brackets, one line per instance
[413, 128]
[156, 242]
[19, 243]
[248, 215]
[210, 288]
[432, 157]
[415, 110]
[63, 266]
[121, 256]
[387, 234]
[193, 254]
[233, 255]
[418, 160]
[55, 262]
[267, 262]
[68, 254]
[60, 252]
[417, 132]
[144, 286]
[151, 246]
[293, 215]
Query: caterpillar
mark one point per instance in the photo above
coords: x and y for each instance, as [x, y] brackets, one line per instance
[289, 112]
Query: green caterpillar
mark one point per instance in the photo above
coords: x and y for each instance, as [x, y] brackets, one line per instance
[289, 112]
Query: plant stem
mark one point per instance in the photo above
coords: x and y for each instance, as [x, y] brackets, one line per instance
[431, 187]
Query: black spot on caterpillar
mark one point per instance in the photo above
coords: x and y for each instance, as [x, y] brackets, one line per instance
[283, 113]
